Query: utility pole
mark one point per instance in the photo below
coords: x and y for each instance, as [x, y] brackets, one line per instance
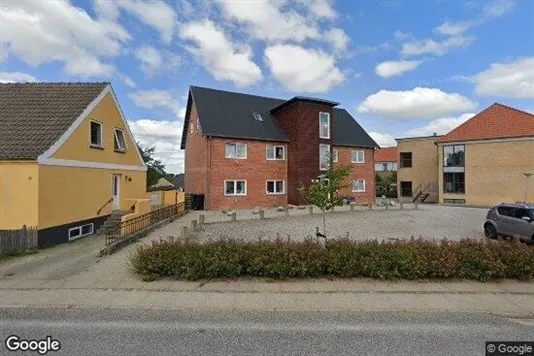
[527, 176]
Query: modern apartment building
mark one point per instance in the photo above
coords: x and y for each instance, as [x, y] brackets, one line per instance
[243, 151]
[386, 161]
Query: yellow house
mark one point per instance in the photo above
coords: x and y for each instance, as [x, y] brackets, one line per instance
[67, 159]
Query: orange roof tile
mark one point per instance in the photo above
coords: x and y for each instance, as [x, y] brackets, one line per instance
[387, 154]
[497, 121]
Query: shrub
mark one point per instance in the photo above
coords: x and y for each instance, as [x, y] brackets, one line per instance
[280, 259]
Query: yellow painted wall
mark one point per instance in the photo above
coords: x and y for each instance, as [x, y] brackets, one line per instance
[19, 185]
[68, 194]
[494, 173]
[77, 147]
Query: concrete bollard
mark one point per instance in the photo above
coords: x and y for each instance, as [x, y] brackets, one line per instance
[233, 217]
[170, 239]
[286, 211]
[370, 206]
[201, 218]
[401, 204]
[310, 209]
[351, 207]
[387, 204]
[193, 225]
[184, 232]
[416, 206]
[262, 214]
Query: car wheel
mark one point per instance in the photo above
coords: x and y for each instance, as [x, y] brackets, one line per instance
[490, 231]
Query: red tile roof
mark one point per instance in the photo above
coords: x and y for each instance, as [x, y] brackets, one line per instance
[387, 154]
[497, 121]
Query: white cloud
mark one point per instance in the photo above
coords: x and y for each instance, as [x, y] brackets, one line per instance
[418, 103]
[338, 39]
[308, 70]
[399, 35]
[498, 8]
[16, 77]
[127, 80]
[390, 69]
[383, 140]
[157, 14]
[512, 80]
[384, 46]
[157, 98]
[265, 20]
[39, 32]
[440, 126]
[165, 136]
[223, 59]
[430, 46]
[452, 28]
[155, 62]
[320, 9]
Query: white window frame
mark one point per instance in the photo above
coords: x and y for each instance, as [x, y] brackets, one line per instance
[235, 184]
[357, 190]
[80, 228]
[120, 149]
[274, 147]
[235, 144]
[274, 184]
[321, 125]
[101, 145]
[335, 155]
[352, 156]
[320, 158]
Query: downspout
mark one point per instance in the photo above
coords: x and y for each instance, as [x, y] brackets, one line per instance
[208, 178]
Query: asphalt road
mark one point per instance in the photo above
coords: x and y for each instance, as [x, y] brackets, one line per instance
[133, 332]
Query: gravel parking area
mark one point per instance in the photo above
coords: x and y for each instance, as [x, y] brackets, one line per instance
[429, 222]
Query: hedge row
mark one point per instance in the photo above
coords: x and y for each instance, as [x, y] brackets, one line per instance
[413, 259]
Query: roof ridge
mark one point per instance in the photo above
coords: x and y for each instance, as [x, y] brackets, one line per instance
[235, 92]
[512, 108]
[57, 83]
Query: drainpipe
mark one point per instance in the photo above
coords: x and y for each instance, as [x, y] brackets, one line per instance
[207, 198]
[527, 176]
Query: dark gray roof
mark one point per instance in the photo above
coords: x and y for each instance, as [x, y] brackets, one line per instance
[34, 115]
[228, 114]
[303, 98]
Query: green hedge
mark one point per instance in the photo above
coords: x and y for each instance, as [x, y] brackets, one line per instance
[413, 259]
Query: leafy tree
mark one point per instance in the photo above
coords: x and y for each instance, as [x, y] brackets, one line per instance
[324, 192]
[156, 169]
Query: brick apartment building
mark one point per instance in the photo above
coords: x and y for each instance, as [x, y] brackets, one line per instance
[243, 151]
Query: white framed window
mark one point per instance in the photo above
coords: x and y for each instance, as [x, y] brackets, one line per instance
[120, 141]
[358, 156]
[275, 187]
[324, 125]
[81, 231]
[235, 187]
[358, 185]
[324, 156]
[236, 150]
[335, 155]
[96, 134]
[275, 152]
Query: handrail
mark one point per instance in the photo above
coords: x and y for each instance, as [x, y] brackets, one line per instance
[103, 206]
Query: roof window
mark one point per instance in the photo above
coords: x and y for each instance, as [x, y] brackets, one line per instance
[257, 116]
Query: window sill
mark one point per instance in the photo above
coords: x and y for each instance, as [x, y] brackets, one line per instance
[357, 162]
[235, 157]
[235, 195]
[96, 147]
[120, 151]
[276, 159]
[275, 194]
[358, 191]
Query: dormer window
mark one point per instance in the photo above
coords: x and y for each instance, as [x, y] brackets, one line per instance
[257, 116]
[324, 125]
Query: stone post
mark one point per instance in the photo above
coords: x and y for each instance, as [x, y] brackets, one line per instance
[387, 204]
[370, 206]
[193, 225]
[310, 209]
[262, 214]
[184, 232]
[352, 207]
[286, 211]
[401, 204]
[233, 217]
[201, 218]
[416, 206]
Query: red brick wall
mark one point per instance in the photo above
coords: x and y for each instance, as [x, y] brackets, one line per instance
[196, 158]
[300, 122]
[364, 170]
[256, 170]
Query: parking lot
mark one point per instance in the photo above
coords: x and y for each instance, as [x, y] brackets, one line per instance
[428, 222]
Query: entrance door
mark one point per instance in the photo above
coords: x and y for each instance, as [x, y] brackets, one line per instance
[116, 190]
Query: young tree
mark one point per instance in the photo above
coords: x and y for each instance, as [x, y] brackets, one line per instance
[156, 169]
[324, 191]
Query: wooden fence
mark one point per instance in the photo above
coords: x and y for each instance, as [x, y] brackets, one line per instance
[13, 240]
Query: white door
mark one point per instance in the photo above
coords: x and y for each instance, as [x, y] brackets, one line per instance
[116, 190]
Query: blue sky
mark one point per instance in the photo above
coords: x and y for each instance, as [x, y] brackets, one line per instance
[402, 68]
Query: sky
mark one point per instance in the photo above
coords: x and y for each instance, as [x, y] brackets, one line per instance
[401, 68]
